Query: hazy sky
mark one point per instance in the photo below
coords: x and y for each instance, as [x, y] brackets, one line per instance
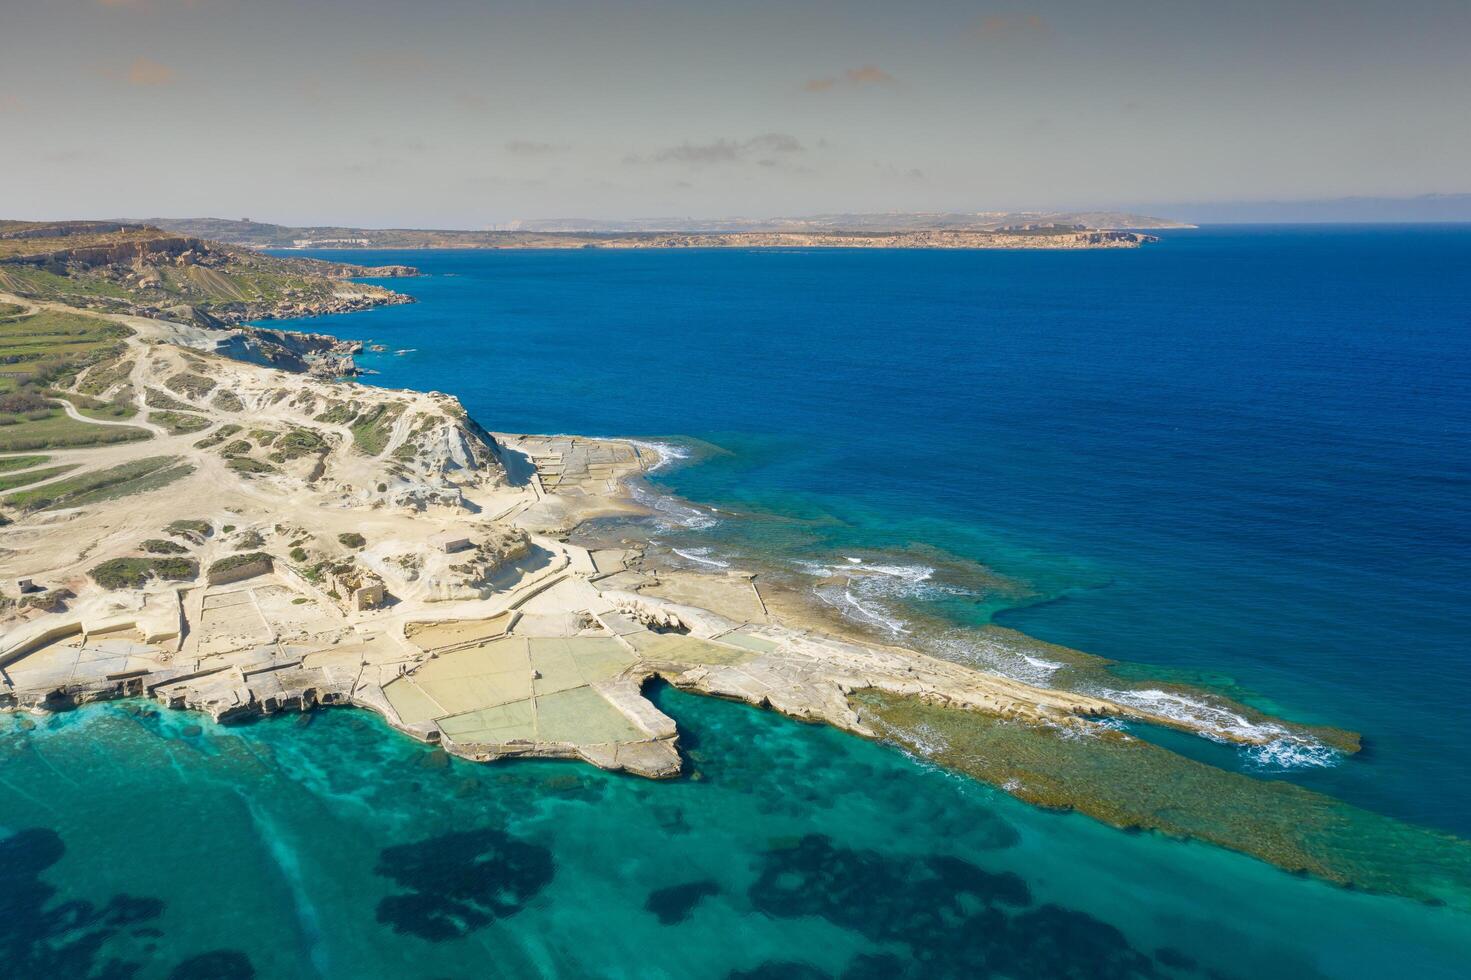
[465, 113]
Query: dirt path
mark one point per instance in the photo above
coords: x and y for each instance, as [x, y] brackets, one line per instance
[76, 416]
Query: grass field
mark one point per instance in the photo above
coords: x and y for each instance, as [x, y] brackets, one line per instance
[10, 463]
[114, 410]
[139, 476]
[54, 430]
[13, 480]
[50, 345]
[32, 281]
[40, 350]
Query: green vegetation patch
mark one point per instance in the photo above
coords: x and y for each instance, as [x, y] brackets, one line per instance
[161, 546]
[352, 539]
[192, 526]
[134, 573]
[227, 401]
[190, 385]
[105, 375]
[46, 284]
[372, 429]
[239, 447]
[217, 436]
[339, 413]
[250, 467]
[21, 462]
[55, 430]
[120, 407]
[139, 476]
[179, 423]
[298, 443]
[158, 398]
[264, 436]
[231, 562]
[51, 345]
[11, 481]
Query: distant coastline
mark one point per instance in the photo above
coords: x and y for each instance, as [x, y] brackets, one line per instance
[989, 230]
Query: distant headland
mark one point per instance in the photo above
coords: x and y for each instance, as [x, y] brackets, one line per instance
[987, 229]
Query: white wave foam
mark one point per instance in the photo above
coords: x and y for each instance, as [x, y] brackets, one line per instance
[700, 555]
[1275, 746]
[988, 653]
[668, 453]
[855, 609]
[671, 513]
[894, 625]
[1292, 753]
[909, 573]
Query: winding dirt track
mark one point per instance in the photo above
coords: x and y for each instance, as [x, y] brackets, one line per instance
[72, 413]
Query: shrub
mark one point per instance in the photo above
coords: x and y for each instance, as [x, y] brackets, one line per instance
[352, 539]
[134, 573]
[298, 442]
[250, 467]
[158, 546]
[231, 562]
[24, 401]
[185, 528]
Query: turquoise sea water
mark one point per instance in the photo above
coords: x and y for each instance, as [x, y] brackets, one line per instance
[1238, 455]
[133, 842]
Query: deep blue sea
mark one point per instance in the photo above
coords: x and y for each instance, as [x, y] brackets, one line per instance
[1242, 451]
[1237, 456]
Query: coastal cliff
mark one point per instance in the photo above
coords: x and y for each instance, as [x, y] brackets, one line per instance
[145, 271]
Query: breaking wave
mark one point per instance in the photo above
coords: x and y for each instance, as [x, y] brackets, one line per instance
[701, 555]
[669, 453]
[1277, 748]
[988, 653]
[671, 513]
[865, 592]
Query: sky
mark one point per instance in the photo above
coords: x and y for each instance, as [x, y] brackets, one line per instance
[474, 113]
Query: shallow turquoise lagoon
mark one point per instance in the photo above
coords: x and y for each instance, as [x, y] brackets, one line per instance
[135, 842]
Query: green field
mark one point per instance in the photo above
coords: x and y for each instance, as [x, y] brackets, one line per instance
[96, 408]
[54, 430]
[9, 463]
[13, 480]
[139, 476]
[50, 346]
[39, 351]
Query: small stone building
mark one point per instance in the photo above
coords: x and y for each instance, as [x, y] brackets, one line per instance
[450, 542]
